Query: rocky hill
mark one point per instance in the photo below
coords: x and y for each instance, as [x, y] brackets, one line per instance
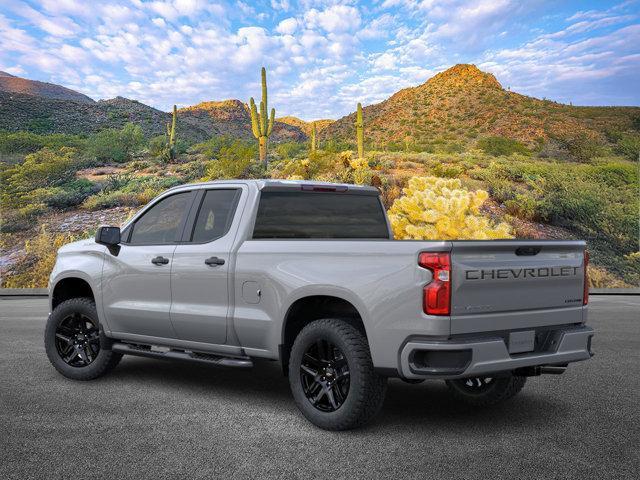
[16, 85]
[232, 118]
[464, 103]
[47, 108]
[305, 126]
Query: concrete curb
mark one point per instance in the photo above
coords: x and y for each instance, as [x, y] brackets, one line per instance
[614, 291]
[43, 292]
[24, 292]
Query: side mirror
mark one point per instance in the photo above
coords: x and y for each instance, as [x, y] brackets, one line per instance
[109, 236]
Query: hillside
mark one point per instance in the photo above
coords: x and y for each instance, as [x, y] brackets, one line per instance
[16, 85]
[19, 111]
[232, 118]
[305, 126]
[464, 103]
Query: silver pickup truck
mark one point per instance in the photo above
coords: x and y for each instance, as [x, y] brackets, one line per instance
[308, 274]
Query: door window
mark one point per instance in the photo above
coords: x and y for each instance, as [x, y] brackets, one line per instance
[215, 215]
[160, 225]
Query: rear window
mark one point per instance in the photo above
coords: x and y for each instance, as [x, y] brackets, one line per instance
[319, 215]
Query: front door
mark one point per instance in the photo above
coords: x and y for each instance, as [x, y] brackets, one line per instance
[137, 280]
[201, 265]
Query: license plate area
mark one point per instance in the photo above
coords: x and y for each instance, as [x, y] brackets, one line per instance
[520, 342]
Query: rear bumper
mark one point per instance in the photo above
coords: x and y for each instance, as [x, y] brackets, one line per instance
[423, 358]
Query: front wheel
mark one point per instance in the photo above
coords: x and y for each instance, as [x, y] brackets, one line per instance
[72, 341]
[486, 391]
[332, 377]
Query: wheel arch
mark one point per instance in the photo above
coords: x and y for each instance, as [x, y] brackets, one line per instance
[70, 287]
[309, 308]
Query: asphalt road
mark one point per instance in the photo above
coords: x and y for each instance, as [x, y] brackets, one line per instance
[156, 419]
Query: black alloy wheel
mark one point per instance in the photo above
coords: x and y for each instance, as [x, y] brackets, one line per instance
[325, 376]
[77, 340]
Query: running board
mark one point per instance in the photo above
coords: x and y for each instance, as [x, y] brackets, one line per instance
[175, 354]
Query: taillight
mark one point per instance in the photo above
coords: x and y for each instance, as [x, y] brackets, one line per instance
[585, 295]
[436, 298]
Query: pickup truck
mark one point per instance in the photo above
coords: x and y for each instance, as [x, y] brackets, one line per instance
[308, 274]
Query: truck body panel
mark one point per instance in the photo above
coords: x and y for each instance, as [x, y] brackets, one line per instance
[502, 292]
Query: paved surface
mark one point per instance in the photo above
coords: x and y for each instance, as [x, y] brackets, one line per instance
[155, 419]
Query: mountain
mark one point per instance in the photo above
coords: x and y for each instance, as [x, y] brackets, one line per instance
[16, 85]
[305, 126]
[464, 103]
[48, 108]
[232, 118]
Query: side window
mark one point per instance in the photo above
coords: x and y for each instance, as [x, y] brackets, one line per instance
[215, 215]
[160, 224]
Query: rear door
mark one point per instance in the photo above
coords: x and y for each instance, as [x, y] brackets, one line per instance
[201, 265]
[504, 285]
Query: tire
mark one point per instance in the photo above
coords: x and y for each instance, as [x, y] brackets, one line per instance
[486, 391]
[356, 389]
[72, 341]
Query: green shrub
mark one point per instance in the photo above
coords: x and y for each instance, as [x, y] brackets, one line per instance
[233, 160]
[16, 220]
[116, 145]
[629, 146]
[70, 194]
[289, 150]
[43, 169]
[498, 146]
[447, 171]
[28, 142]
[582, 146]
[523, 206]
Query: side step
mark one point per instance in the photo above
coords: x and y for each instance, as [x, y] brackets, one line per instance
[174, 354]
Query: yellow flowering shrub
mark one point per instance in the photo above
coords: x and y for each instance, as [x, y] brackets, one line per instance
[440, 209]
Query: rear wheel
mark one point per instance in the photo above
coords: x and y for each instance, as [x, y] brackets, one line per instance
[486, 391]
[72, 341]
[332, 377]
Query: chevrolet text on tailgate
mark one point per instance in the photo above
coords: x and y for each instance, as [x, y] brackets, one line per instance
[308, 274]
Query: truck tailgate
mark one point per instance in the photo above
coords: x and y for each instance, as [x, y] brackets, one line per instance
[504, 285]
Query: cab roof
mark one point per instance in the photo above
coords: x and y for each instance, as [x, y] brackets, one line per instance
[293, 185]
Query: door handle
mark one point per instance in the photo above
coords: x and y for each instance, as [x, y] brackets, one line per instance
[212, 261]
[160, 260]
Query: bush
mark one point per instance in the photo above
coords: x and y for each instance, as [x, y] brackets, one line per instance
[289, 150]
[21, 218]
[41, 253]
[498, 146]
[447, 171]
[27, 142]
[116, 145]
[438, 209]
[233, 160]
[44, 169]
[68, 195]
[629, 146]
[581, 146]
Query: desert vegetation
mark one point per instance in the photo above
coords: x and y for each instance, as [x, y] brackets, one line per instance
[445, 177]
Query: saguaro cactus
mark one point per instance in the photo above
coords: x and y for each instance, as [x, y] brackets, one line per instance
[360, 132]
[171, 136]
[314, 138]
[260, 124]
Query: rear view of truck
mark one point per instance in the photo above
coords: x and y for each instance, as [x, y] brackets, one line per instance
[516, 308]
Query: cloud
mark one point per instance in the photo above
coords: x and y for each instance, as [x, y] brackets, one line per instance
[287, 26]
[322, 56]
[335, 19]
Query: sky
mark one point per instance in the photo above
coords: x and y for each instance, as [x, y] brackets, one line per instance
[322, 57]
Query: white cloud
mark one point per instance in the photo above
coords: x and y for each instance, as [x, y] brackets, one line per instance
[335, 19]
[287, 26]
